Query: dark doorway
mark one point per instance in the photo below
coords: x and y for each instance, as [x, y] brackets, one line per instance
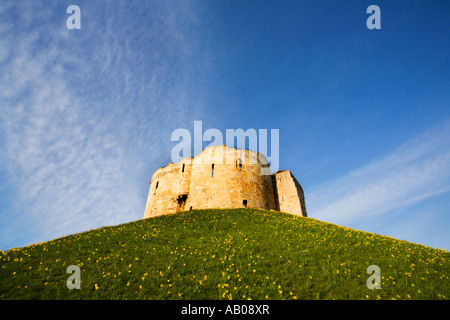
[181, 200]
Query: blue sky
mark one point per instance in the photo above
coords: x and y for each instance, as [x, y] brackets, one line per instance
[87, 115]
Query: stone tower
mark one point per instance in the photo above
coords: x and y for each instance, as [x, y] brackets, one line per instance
[222, 177]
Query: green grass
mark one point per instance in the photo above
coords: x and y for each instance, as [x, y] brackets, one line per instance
[225, 254]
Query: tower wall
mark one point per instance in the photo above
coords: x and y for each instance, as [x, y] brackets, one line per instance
[169, 189]
[234, 182]
[290, 194]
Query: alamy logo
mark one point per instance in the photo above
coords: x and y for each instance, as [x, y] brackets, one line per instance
[374, 281]
[374, 21]
[257, 141]
[73, 282]
[74, 21]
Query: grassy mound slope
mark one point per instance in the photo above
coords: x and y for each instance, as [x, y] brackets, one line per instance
[225, 254]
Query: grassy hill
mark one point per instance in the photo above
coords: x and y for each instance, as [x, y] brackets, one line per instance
[225, 254]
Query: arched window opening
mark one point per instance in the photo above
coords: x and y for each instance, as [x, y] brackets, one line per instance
[239, 164]
[156, 187]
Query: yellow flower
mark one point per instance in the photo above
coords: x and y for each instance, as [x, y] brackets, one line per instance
[96, 287]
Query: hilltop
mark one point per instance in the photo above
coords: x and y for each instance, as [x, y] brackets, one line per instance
[225, 254]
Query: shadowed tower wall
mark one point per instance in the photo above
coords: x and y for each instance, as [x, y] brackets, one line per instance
[290, 194]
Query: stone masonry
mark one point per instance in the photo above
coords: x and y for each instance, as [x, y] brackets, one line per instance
[222, 177]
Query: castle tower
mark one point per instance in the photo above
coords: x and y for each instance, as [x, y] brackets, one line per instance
[222, 177]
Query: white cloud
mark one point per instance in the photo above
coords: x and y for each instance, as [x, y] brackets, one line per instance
[417, 170]
[82, 161]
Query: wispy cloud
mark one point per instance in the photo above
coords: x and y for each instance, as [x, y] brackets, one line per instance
[84, 115]
[415, 171]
